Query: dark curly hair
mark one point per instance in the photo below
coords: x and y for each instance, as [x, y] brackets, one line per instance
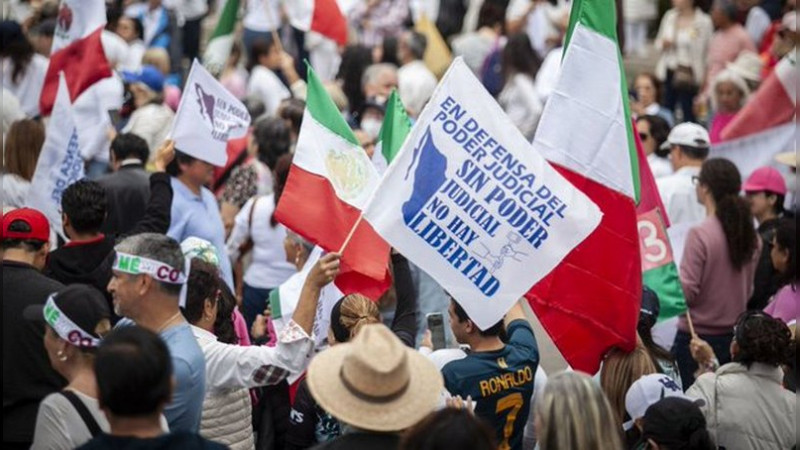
[786, 239]
[203, 284]
[223, 326]
[763, 339]
[724, 182]
[85, 204]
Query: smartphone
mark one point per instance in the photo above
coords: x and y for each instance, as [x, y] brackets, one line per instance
[436, 326]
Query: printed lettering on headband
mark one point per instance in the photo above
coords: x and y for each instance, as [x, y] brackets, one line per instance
[138, 265]
[67, 329]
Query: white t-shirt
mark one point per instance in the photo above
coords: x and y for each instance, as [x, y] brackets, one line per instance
[661, 167]
[522, 103]
[269, 268]
[268, 88]
[151, 122]
[28, 88]
[115, 48]
[258, 18]
[548, 74]
[679, 196]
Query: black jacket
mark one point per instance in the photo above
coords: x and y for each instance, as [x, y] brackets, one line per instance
[127, 191]
[27, 374]
[91, 262]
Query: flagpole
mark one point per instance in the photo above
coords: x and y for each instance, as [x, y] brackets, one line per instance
[350, 235]
[689, 322]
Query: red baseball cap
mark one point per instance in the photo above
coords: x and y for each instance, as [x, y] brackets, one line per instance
[26, 224]
[765, 179]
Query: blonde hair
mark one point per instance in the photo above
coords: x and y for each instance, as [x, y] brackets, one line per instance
[23, 144]
[574, 413]
[157, 57]
[357, 311]
[620, 370]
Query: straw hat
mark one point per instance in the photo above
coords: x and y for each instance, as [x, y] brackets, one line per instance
[787, 158]
[374, 382]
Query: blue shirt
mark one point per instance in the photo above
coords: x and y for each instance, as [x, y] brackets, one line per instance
[189, 369]
[198, 216]
[500, 382]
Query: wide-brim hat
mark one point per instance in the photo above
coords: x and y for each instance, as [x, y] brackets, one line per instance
[374, 382]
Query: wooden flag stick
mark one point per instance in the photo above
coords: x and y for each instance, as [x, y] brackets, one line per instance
[689, 322]
[350, 235]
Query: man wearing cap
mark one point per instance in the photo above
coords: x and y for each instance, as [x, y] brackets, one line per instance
[27, 375]
[688, 145]
[148, 275]
[643, 393]
[152, 119]
[765, 190]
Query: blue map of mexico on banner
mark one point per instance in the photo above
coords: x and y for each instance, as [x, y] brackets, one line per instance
[469, 201]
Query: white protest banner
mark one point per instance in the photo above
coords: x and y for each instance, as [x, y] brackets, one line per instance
[208, 115]
[60, 163]
[469, 201]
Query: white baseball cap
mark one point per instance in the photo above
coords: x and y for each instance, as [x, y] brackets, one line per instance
[646, 391]
[688, 134]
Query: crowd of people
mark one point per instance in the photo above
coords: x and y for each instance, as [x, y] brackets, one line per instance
[152, 318]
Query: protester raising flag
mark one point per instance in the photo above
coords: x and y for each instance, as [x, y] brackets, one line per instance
[60, 163]
[468, 202]
[220, 44]
[329, 184]
[208, 115]
[590, 302]
[753, 138]
[659, 271]
[395, 128]
[321, 16]
[77, 50]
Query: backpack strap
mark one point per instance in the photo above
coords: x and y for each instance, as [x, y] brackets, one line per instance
[83, 411]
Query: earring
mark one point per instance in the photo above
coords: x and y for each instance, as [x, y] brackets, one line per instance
[61, 356]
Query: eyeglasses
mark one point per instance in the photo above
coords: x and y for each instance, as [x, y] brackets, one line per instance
[644, 136]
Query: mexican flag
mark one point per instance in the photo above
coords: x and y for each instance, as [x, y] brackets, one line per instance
[321, 16]
[329, 184]
[219, 45]
[659, 269]
[590, 302]
[77, 51]
[394, 130]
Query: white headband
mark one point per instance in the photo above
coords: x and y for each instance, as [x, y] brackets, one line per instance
[66, 328]
[138, 265]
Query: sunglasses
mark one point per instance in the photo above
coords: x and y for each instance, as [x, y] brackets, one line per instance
[644, 136]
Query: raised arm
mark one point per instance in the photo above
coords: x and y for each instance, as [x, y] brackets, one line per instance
[157, 215]
[404, 324]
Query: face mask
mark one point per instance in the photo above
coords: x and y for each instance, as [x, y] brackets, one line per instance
[371, 126]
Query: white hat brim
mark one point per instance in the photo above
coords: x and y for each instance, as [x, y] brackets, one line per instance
[417, 401]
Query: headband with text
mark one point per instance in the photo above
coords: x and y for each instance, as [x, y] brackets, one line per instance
[66, 328]
[138, 265]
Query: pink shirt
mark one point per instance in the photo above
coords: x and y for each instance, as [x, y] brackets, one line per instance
[724, 47]
[718, 123]
[715, 291]
[784, 305]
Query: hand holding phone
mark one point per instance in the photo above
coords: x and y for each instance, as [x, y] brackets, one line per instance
[436, 327]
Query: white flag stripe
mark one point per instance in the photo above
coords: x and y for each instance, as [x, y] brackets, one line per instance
[757, 150]
[60, 163]
[597, 78]
[348, 168]
[208, 116]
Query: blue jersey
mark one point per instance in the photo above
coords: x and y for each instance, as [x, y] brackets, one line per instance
[500, 382]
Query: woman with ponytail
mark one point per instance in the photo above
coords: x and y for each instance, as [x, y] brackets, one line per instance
[744, 402]
[675, 423]
[718, 266]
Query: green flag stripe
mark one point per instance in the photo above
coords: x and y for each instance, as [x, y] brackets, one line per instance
[396, 126]
[666, 283]
[227, 20]
[323, 110]
[275, 303]
[601, 16]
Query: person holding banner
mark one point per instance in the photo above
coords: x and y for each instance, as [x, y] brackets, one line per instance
[718, 265]
[497, 375]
